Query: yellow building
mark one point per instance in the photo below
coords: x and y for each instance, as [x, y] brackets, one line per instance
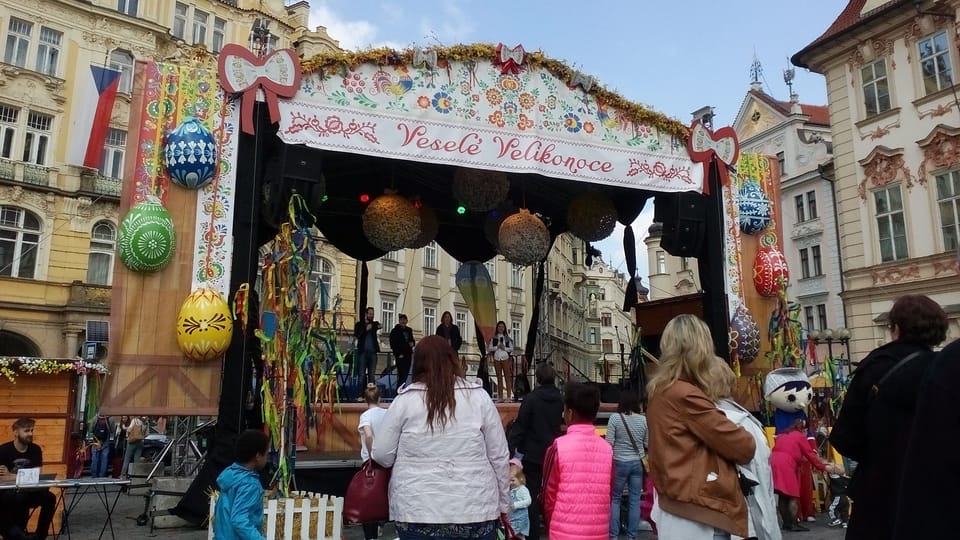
[58, 221]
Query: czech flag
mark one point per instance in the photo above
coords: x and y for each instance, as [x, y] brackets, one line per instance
[96, 93]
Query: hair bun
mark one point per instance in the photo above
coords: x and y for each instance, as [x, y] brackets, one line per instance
[371, 386]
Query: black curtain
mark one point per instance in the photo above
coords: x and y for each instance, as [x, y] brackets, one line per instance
[535, 315]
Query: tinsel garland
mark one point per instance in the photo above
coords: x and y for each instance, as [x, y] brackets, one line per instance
[12, 366]
[338, 62]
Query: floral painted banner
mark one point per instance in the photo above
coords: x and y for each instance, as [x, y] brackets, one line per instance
[213, 241]
[476, 115]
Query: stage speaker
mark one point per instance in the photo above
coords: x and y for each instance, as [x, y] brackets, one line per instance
[683, 216]
[609, 393]
[292, 168]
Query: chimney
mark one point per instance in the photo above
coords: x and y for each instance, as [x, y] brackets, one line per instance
[795, 107]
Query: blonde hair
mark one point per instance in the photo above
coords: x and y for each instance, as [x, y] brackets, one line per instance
[686, 352]
[371, 394]
[517, 472]
[723, 381]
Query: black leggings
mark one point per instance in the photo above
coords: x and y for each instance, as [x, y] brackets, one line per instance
[371, 531]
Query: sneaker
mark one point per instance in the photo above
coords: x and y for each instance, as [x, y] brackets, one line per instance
[844, 524]
[811, 519]
[835, 522]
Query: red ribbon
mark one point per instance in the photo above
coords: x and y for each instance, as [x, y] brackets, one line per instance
[510, 60]
[242, 72]
[707, 146]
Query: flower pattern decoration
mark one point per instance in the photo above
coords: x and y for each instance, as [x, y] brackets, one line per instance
[510, 83]
[442, 103]
[572, 122]
[527, 100]
[494, 96]
[12, 366]
[423, 102]
[524, 123]
[354, 83]
[496, 118]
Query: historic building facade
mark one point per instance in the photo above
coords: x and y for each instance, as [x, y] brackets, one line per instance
[890, 69]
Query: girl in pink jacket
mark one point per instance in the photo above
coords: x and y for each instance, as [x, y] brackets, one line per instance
[577, 472]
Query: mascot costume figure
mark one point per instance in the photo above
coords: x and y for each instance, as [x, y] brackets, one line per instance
[790, 392]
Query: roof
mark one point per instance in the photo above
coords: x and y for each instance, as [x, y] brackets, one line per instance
[847, 20]
[818, 114]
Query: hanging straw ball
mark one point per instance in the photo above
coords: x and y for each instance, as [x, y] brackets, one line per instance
[480, 190]
[591, 216]
[524, 239]
[491, 226]
[429, 226]
[391, 222]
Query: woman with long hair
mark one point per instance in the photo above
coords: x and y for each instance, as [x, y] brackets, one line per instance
[694, 448]
[444, 439]
[501, 347]
[449, 331]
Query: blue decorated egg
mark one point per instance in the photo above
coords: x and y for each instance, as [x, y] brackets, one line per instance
[190, 155]
[146, 238]
[755, 208]
[744, 335]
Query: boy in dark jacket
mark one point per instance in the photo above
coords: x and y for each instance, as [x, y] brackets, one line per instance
[840, 507]
[239, 511]
[401, 343]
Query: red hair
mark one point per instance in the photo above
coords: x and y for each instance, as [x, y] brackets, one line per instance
[435, 364]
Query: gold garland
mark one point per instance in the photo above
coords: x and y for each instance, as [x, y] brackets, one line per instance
[11, 366]
[332, 63]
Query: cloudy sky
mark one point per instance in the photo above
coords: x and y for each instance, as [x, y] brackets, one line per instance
[672, 56]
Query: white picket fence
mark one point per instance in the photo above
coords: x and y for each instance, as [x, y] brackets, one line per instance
[280, 517]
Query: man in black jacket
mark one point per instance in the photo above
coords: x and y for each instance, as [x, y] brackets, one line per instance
[536, 426]
[401, 343]
[368, 345]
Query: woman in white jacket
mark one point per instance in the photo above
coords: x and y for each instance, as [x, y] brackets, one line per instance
[761, 503]
[444, 439]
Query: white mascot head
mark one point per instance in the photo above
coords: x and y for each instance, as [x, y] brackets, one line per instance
[788, 389]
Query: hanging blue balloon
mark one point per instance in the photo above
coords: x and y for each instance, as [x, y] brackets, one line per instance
[755, 208]
[190, 155]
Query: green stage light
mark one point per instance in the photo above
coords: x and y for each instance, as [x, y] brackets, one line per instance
[461, 210]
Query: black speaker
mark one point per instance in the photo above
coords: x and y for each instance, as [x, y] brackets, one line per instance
[609, 393]
[292, 168]
[683, 216]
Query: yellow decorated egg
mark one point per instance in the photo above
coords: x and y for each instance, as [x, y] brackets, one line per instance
[204, 325]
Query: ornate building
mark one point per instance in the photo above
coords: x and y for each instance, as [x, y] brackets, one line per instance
[58, 220]
[890, 69]
[669, 276]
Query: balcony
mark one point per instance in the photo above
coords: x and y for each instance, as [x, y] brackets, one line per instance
[99, 184]
[27, 173]
[90, 297]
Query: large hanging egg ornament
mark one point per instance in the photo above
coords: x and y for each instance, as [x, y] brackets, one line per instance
[770, 272]
[744, 335]
[480, 190]
[190, 155]
[204, 325]
[755, 208]
[146, 237]
[591, 216]
[524, 239]
[391, 222]
[429, 227]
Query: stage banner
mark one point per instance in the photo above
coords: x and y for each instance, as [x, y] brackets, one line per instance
[479, 114]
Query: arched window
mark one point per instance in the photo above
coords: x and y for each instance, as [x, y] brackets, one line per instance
[321, 281]
[19, 241]
[12, 344]
[122, 61]
[103, 242]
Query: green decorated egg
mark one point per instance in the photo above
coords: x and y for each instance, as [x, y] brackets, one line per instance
[147, 238]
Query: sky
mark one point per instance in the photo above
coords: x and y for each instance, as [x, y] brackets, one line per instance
[674, 57]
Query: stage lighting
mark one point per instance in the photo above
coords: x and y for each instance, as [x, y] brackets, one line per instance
[461, 210]
[365, 198]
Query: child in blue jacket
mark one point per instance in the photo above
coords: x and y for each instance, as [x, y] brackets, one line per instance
[239, 511]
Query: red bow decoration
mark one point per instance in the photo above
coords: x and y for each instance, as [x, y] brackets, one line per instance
[242, 72]
[705, 146]
[510, 60]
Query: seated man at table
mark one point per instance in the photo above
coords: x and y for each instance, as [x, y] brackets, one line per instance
[21, 453]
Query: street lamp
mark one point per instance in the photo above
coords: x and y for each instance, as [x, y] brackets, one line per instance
[841, 336]
[260, 37]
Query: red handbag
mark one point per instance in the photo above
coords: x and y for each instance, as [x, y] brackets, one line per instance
[366, 500]
[507, 530]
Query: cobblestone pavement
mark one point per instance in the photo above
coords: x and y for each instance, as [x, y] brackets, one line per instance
[88, 518]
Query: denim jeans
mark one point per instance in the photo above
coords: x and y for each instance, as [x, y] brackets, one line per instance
[626, 473]
[131, 455]
[368, 366]
[99, 460]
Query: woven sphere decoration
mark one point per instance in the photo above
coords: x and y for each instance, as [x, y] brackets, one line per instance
[391, 222]
[491, 226]
[524, 239]
[755, 208]
[190, 155]
[429, 227]
[480, 190]
[146, 237]
[744, 335]
[204, 325]
[591, 216]
[770, 271]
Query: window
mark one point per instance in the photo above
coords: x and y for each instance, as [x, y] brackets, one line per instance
[19, 240]
[805, 263]
[607, 345]
[592, 337]
[460, 318]
[430, 255]
[808, 315]
[320, 281]
[685, 263]
[606, 319]
[603, 294]
[8, 129]
[801, 209]
[782, 163]
[103, 241]
[37, 139]
[180, 20]
[390, 256]
[574, 256]
[200, 27]
[822, 315]
[48, 53]
[429, 319]
[388, 316]
[18, 42]
[812, 205]
[935, 63]
[219, 33]
[491, 269]
[111, 159]
[661, 262]
[122, 61]
[876, 91]
[516, 328]
[817, 262]
[516, 276]
[890, 224]
[128, 7]
[948, 199]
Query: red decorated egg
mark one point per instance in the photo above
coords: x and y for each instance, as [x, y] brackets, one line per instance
[770, 271]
